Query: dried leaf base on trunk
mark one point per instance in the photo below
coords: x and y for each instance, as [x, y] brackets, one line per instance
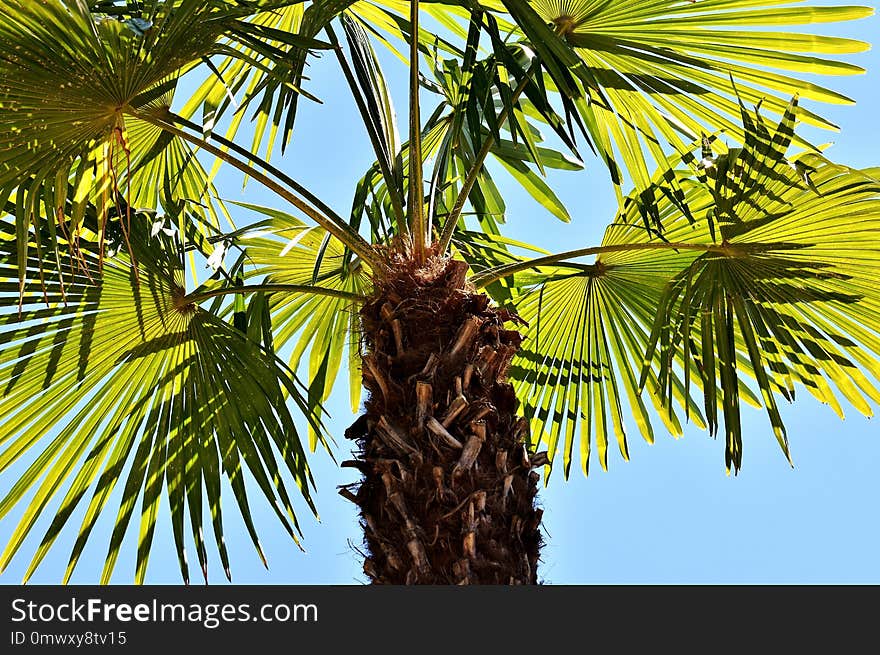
[448, 490]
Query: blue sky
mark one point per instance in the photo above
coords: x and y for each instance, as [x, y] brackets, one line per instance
[670, 514]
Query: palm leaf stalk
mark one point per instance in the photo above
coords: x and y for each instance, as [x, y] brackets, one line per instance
[730, 276]
[415, 204]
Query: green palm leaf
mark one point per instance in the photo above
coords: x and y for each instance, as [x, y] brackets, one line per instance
[67, 79]
[265, 79]
[767, 285]
[465, 120]
[273, 90]
[790, 296]
[649, 75]
[112, 383]
[577, 372]
[70, 81]
[162, 172]
[320, 328]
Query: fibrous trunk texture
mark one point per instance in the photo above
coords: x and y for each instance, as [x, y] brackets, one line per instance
[448, 491]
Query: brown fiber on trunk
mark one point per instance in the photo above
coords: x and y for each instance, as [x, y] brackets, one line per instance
[448, 491]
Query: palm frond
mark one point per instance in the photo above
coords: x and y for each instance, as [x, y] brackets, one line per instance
[262, 77]
[265, 79]
[648, 78]
[68, 80]
[790, 298]
[109, 384]
[322, 329]
[766, 286]
[577, 373]
[472, 95]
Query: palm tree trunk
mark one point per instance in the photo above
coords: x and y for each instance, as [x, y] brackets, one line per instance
[448, 492]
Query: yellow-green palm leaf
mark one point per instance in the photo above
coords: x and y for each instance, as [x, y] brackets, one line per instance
[72, 84]
[651, 75]
[768, 285]
[109, 382]
[322, 328]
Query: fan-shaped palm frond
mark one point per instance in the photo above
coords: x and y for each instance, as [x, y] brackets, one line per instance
[790, 296]
[647, 75]
[114, 383]
[784, 297]
[269, 70]
[588, 331]
[161, 171]
[288, 251]
[68, 80]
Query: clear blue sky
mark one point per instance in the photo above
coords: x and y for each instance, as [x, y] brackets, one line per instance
[669, 515]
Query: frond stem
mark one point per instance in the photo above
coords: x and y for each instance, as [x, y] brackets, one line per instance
[416, 201]
[485, 278]
[195, 298]
[343, 232]
[262, 163]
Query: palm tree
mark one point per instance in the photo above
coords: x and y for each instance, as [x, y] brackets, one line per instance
[741, 263]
